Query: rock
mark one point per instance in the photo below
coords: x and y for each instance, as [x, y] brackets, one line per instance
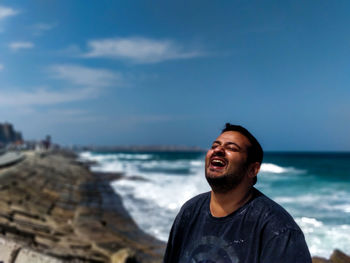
[28, 256]
[336, 257]
[136, 178]
[320, 260]
[339, 257]
[8, 251]
[108, 176]
[125, 255]
[52, 205]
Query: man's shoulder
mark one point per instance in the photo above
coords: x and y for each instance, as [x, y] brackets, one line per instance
[281, 237]
[194, 205]
[196, 201]
[271, 214]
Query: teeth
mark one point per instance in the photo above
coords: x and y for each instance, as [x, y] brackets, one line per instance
[219, 161]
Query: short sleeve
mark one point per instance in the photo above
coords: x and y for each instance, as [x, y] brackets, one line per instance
[288, 246]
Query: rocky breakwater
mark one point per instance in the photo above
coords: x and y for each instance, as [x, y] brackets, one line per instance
[53, 209]
[336, 257]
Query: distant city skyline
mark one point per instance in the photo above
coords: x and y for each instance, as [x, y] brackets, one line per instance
[172, 73]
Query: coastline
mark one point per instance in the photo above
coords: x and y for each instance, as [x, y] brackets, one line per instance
[53, 205]
[54, 209]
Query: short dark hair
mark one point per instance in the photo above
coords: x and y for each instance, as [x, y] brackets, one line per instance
[255, 151]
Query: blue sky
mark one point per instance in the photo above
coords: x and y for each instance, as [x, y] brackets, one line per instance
[161, 72]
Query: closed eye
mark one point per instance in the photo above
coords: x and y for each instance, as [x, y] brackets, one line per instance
[233, 149]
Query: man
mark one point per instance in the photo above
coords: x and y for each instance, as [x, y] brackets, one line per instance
[234, 223]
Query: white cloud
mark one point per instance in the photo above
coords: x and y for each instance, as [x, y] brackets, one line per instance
[43, 96]
[138, 50]
[6, 12]
[1, 67]
[20, 45]
[84, 76]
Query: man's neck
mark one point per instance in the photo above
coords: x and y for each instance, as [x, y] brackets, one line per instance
[223, 204]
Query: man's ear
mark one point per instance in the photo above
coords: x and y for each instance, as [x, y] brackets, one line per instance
[253, 169]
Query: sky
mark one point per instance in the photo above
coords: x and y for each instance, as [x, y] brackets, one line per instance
[174, 72]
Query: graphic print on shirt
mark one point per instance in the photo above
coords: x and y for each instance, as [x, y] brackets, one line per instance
[210, 249]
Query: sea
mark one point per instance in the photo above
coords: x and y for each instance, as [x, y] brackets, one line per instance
[313, 187]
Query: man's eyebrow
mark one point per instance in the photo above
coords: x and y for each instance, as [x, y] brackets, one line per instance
[228, 143]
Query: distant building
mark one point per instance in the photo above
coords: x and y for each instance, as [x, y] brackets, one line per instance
[47, 142]
[8, 134]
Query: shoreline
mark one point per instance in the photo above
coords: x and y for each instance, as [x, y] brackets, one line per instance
[54, 209]
[52, 204]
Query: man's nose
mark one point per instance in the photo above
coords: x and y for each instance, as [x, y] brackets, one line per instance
[219, 150]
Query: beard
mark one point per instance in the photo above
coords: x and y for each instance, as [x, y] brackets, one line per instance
[226, 182]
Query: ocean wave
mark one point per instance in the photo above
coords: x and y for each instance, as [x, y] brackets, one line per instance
[85, 156]
[197, 163]
[273, 168]
[132, 156]
[319, 207]
[163, 195]
[320, 237]
[97, 157]
[169, 165]
[119, 156]
[342, 207]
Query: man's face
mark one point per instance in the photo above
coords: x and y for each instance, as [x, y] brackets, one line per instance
[226, 161]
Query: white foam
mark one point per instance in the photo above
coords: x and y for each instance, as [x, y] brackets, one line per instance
[301, 199]
[85, 156]
[168, 165]
[197, 163]
[132, 156]
[342, 207]
[311, 221]
[161, 197]
[325, 200]
[273, 168]
[154, 202]
[323, 238]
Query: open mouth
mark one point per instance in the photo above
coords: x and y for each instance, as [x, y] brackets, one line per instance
[217, 163]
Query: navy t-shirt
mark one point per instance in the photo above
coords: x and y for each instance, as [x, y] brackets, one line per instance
[261, 231]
